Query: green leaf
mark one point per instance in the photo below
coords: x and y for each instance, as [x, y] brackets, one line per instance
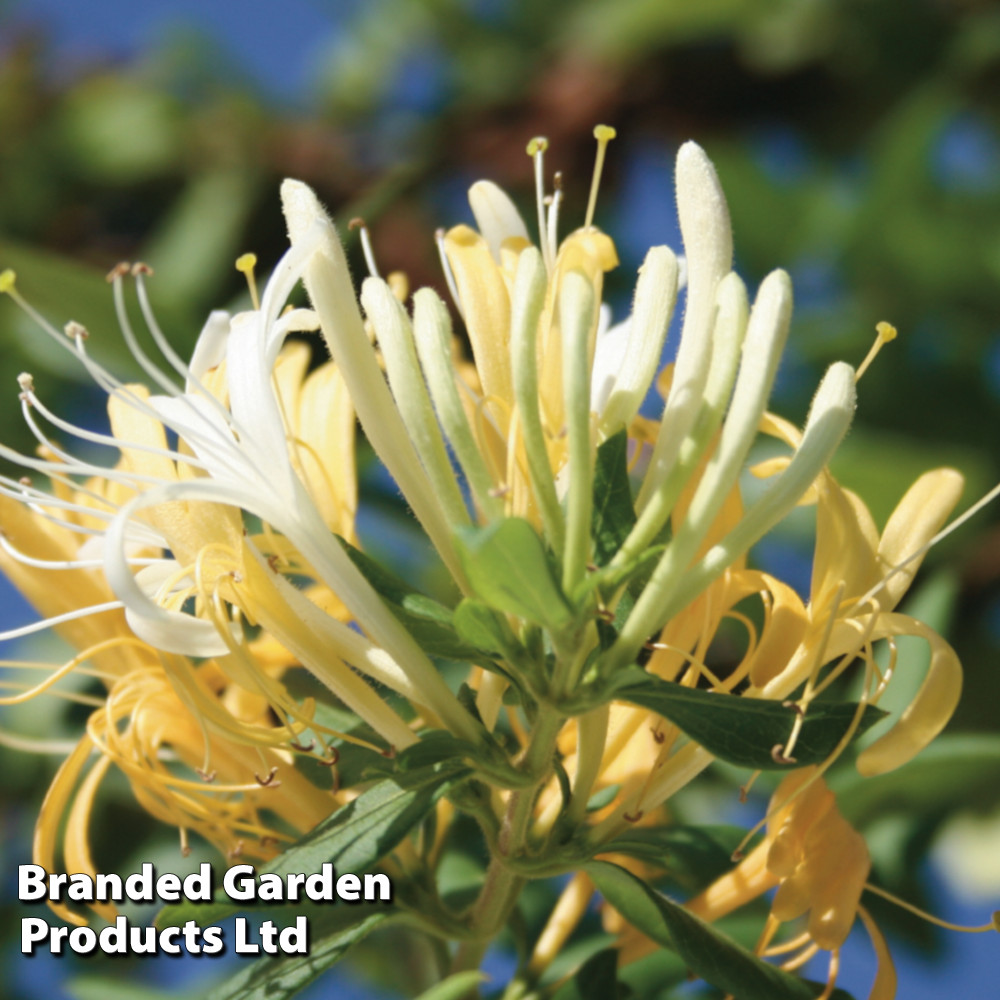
[614, 513]
[481, 627]
[693, 856]
[281, 976]
[354, 838]
[710, 954]
[455, 986]
[507, 566]
[744, 731]
[596, 979]
[427, 620]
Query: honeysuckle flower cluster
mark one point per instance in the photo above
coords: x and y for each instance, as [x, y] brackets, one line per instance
[213, 562]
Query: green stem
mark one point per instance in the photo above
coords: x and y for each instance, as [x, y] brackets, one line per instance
[502, 886]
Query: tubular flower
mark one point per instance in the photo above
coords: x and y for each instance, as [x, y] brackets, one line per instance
[216, 558]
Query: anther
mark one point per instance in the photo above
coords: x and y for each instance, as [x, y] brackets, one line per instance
[885, 332]
[26, 382]
[592, 567]
[269, 781]
[603, 134]
[207, 776]
[245, 264]
[120, 270]
[633, 817]
[332, 757]
[658, 736]
[778, 755]
[500, 491]
[389, 752]
[795, 707]
[8, 278]
[76, 331]
[140, 268]
[606, 615]
[295, 745]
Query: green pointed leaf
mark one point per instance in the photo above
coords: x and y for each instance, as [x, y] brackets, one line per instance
[744, 731]
[614, 513]
[693, 856]
[481, 627]
[427, 620]
[281, 976]
[709, 953]
[596, 979]
[354, 838]
[508, 568]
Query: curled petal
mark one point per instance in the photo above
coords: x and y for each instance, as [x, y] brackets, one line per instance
[929, 711]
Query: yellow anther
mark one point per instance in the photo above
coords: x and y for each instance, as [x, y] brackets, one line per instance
[7, 280]
[885, 332]
[245, 265]
[538, 145]
[603, 134]
[399, 284]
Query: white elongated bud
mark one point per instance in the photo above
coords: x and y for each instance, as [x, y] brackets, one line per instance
[497, 217]
[655, 295]
[395, 337]
[829, 418]
[328, 282]
[432, 330]
[576, 320]
[708, 245]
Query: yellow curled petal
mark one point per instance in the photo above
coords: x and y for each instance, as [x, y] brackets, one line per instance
[50, 817]
[930, 709]
[884, 987]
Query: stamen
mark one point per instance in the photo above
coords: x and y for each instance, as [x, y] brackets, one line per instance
[536, 150]
[27, 560]
[885, 333]
[245, 265]
[366, 244]
[552, 224]
[993, 925]
[40, 626]
[603, 134]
